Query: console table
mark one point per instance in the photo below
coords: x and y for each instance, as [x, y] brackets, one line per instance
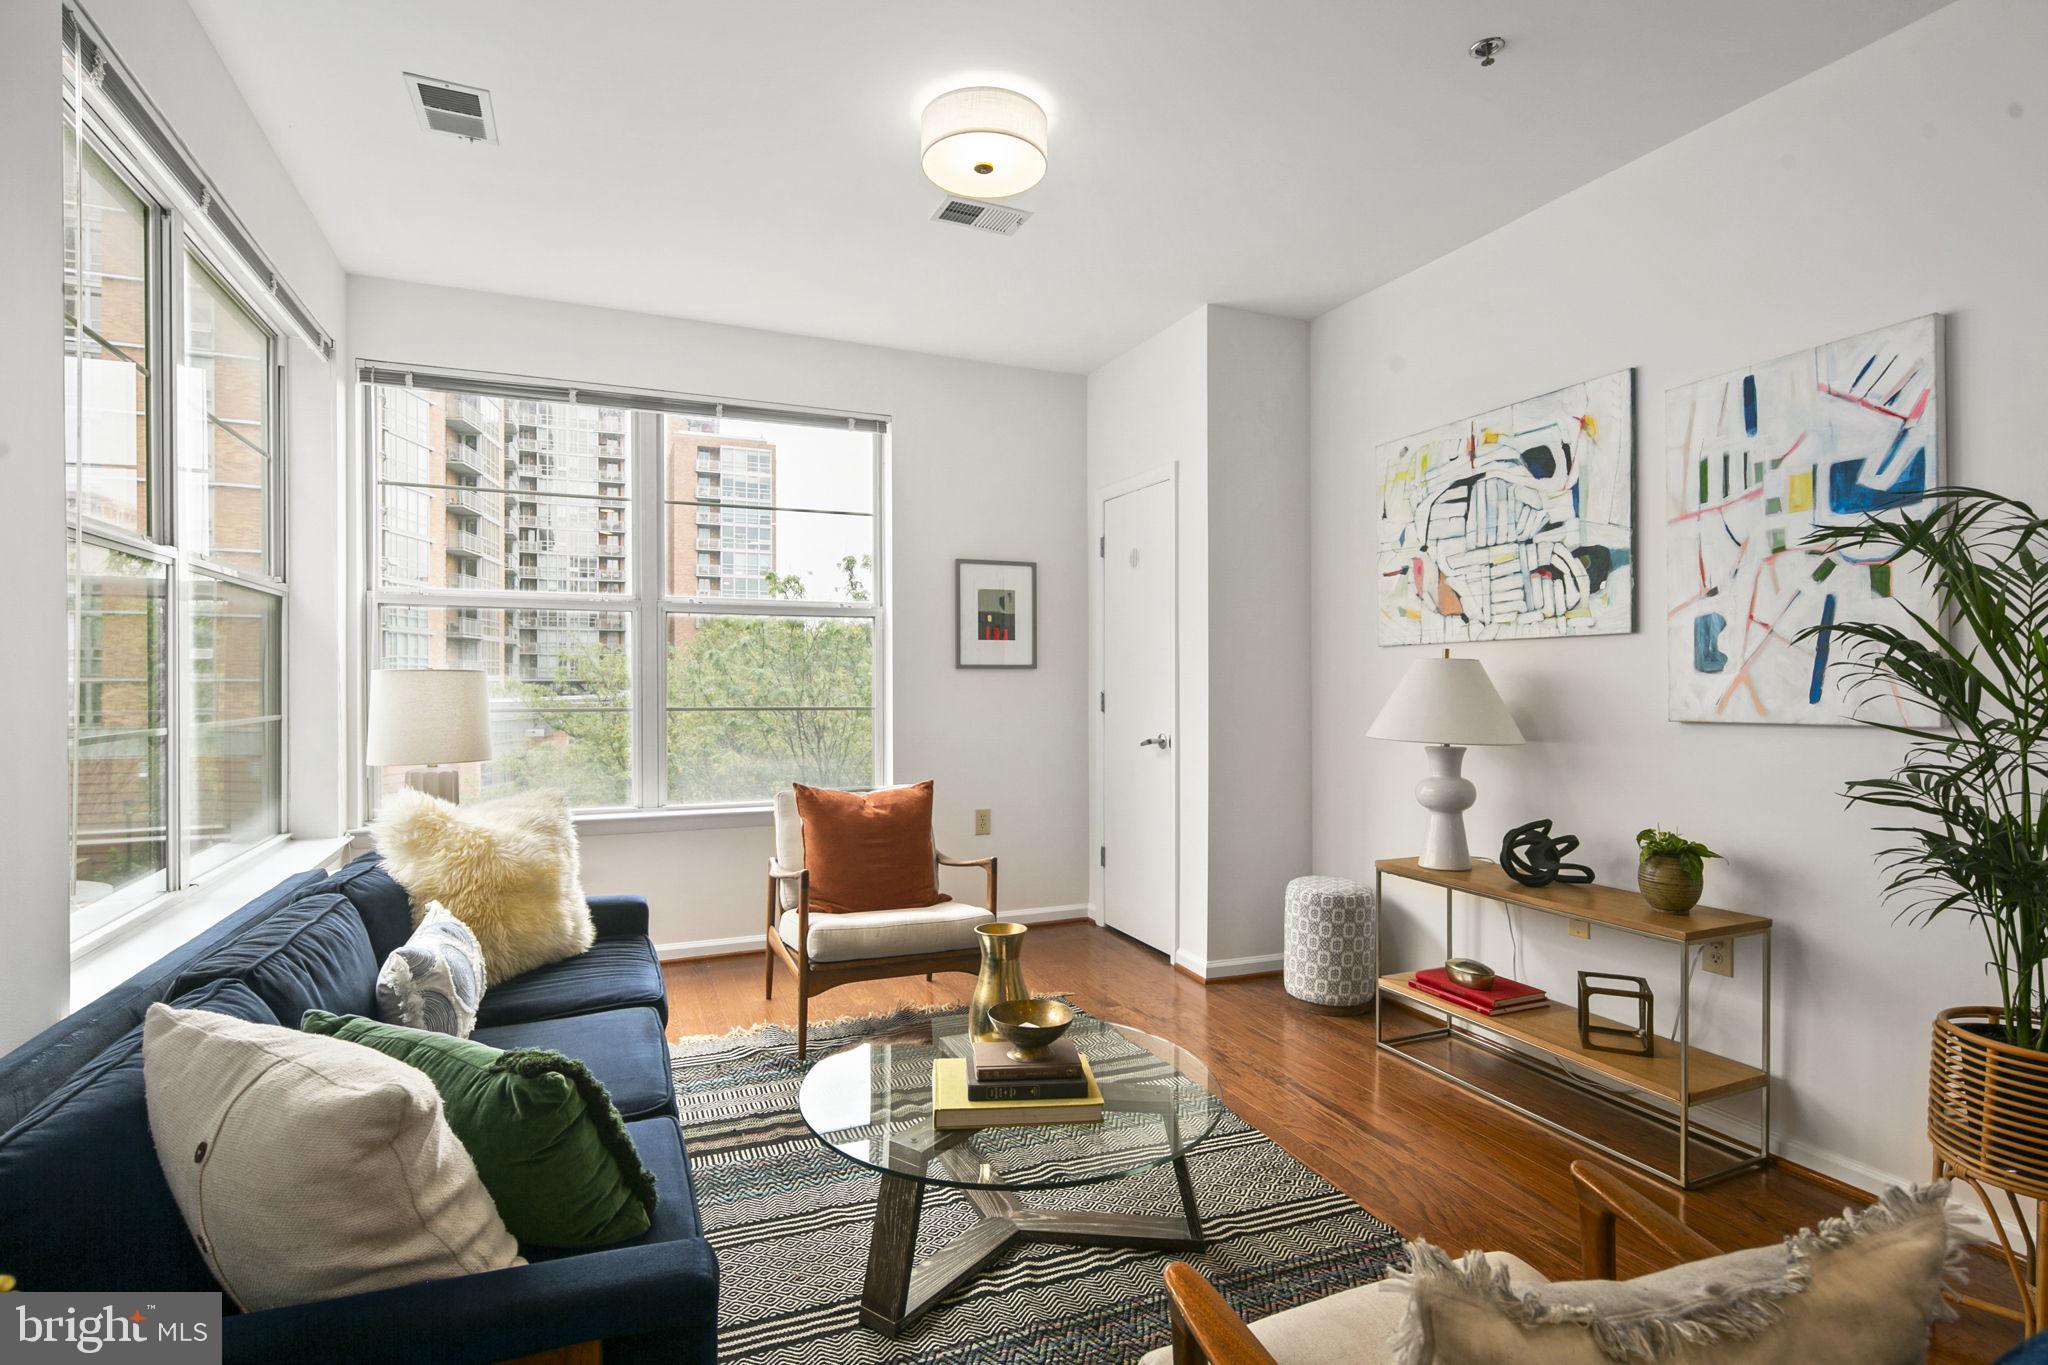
[1526, 1060]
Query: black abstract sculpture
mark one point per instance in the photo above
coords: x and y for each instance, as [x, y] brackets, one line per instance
[1532, 857]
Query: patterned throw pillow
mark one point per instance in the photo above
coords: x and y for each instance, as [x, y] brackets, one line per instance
[435, 979]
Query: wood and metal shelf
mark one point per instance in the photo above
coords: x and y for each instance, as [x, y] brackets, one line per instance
[1643, 1111]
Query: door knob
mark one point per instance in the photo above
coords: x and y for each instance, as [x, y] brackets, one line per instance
[1161, 740]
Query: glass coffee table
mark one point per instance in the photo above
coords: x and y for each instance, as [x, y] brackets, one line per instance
[873, 1105]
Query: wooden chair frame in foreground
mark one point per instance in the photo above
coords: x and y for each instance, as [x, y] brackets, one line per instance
[815, 978]
[1206, 1330]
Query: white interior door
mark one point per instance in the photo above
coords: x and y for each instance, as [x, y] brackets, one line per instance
[1140, 751]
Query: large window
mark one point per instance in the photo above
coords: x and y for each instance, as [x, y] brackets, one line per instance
[677, 607]
[177, 595]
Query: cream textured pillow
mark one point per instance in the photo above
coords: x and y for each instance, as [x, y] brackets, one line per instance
[507, 868]
[1865, 1287]
[307, 1167]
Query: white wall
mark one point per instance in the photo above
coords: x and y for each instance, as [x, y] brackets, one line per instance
[1907, 178]
[165, 49]
[1223, 396]
[987, 463]
[35, 967]
[1259, 625]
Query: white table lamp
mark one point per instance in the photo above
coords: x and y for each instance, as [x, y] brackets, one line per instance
[425, 718]
[1447, 704]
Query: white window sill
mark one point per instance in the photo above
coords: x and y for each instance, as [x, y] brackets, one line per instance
[681, 821]
[105, 958]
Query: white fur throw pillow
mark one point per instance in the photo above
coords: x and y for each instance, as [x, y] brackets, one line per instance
[507, 868]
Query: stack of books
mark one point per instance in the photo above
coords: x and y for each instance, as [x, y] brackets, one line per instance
[991, 1089]
[1501, 997]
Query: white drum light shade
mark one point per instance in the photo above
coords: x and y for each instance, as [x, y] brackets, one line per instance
[1447, 704]
[983, 142]
[428, 715]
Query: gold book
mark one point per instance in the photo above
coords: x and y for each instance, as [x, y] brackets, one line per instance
[952, 1109]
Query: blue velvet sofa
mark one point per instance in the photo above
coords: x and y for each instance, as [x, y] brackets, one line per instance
[84, 1206]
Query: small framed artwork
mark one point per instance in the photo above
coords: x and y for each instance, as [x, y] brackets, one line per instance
[995, 614]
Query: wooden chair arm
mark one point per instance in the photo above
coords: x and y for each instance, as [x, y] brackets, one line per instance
[1205, 1329]
[1605, 1194]
[776, 872]
[987, 865]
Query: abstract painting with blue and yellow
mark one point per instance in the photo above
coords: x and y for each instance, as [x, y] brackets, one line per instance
[1759, 459]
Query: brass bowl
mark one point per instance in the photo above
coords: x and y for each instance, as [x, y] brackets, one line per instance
[1031, 1026]
[1469, 971]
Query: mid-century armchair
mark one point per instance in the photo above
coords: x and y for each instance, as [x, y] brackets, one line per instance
[827, 950]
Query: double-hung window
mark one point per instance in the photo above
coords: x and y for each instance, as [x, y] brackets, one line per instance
[172, 387]
[677, 602]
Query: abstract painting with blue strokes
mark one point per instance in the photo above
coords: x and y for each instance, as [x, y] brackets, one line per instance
[1513, 524]
[1760, 458]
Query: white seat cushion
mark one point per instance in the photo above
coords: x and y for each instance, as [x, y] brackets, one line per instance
[888, 933]
[1350, 1327]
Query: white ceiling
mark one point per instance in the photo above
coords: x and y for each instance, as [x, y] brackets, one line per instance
[756, 161]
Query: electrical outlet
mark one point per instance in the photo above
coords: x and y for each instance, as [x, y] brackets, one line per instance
[984, 822]
[1579, 928]
[1719, 957]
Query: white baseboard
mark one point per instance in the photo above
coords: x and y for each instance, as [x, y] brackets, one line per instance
[708, 947]
[1976, 1224]
[1222, 968]
[686, 949]
[1048, 914]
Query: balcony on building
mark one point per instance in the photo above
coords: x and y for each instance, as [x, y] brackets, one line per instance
[473, 416]
[476, 546]
[466, 458]
[475, 502]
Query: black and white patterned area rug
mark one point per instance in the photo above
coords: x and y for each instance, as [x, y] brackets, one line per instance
[790, 1219]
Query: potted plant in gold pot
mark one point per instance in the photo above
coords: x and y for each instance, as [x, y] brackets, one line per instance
[1671, 870]
[1972, 789]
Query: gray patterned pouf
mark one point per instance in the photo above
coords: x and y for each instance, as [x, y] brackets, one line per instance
[1330, 950]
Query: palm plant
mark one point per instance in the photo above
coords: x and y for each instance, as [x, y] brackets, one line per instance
[1979, 789]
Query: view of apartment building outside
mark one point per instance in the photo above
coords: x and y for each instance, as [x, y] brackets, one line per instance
[130, 530]
[530, 496]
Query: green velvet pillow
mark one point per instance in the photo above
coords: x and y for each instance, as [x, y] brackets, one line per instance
[544, 1134]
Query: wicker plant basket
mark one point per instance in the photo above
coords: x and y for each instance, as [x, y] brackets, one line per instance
[1987, 1116]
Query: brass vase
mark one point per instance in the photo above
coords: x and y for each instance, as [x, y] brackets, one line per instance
[1002, 976]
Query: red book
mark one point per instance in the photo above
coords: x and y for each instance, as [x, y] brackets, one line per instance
[1503, 994]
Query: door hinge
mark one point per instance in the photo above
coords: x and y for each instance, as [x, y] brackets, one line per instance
[1102, 702]
[1102, 855]
[1102, 547]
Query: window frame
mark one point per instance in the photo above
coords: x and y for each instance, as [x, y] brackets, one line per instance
[646, 603]
[176, 228]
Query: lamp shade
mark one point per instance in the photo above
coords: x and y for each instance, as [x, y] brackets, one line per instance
[983, 142]
[428, 715]
[1446, 701]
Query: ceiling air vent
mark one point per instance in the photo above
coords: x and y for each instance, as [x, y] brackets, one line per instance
[997, 218]
[462, 111]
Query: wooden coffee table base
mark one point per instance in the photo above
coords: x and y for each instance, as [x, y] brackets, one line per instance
[900, 1290]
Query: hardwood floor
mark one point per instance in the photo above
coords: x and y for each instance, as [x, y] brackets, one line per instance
[1423, 1155]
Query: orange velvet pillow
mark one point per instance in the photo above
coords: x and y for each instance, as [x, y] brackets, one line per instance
[870, 852]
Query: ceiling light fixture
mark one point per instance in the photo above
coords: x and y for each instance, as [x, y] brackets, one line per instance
[983, 142]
